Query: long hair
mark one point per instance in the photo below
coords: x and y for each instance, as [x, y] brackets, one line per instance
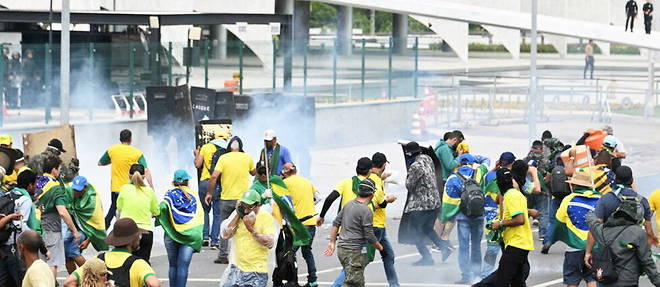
[137, 176]
[90, 279]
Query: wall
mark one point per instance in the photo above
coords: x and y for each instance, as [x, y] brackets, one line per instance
[363, 123]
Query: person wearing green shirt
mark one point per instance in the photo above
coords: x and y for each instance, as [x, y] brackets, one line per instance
[138, 201]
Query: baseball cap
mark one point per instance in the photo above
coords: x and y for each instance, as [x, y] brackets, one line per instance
[378, 159]
[95, 266]
[466, 158]
[269, 135]
[181, 176]
[6, 140]
[610, 142]
[367, 187]
[79, 183]
[507, 158]
[250, 197]
[56, 144]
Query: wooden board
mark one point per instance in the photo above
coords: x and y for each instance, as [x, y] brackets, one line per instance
[35, 143]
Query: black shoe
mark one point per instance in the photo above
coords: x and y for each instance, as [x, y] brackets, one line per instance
[424, 262]
[206, 242]
[446, 253]
[545, 249]
[221, 260]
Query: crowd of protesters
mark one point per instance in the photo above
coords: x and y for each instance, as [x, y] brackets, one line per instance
[581, 194]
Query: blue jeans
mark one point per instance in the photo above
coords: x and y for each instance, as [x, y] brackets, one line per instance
[215, 206]
[179, 257]
[470, 232]
[308, 255]
[541, 202]
[552, 221]
[387, 256]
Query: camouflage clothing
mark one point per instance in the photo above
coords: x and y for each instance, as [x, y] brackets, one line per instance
[423, 192]
[541, 159]
[353, 263]
[68, 170]
[552, 148]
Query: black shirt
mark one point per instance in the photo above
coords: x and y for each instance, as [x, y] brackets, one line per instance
[647, 8]
[631, 7]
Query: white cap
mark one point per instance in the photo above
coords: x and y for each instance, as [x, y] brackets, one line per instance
[269, 135]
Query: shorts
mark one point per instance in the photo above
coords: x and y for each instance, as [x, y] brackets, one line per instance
[574, 269]
[55, 245]
[71, 249]
[237, 278]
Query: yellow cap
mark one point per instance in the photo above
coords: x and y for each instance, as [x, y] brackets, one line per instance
[463, 147]
[6, 140]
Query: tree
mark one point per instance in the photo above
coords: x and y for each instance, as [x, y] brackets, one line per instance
[323, 16]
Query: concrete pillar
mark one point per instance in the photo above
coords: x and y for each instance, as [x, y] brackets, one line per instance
[372, 19]
[400, 32]
[284, 7]
[219, 37]
[344, 30]
[300, 25]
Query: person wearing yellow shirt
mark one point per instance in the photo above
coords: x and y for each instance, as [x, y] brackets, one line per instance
[379, 162]
[654, 202]
[121, 157]
[204, 161]
[303, 196]
[38, 273]
[19, 166]
[137, 201]
[233, 169]
[253, 232]
[127, 269]
[516, 234]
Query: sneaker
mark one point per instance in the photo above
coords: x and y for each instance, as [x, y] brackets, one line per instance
[545, 249]
[215, 247]
[446, 253]
[436, 249]
[206, 242]
[221, 260]
[424, 262]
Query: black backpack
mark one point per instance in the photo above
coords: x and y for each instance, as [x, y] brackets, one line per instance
[603, 261]
[558, 186]
[122, 274]
[7, 206]
[219, 151]
[472, 197]
[631, 205]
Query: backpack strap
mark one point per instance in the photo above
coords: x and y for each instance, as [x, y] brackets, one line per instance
[613, 238]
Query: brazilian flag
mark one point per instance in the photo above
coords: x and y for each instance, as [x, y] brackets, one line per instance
[182, 218]
[571, 226]
[282, 198]
[451, 200]
[87, 210]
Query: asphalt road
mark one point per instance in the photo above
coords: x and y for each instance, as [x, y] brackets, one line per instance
[545, 269]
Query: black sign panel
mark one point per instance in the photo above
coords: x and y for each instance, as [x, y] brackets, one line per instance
[203, 103]
[160, 102]
[224, 105]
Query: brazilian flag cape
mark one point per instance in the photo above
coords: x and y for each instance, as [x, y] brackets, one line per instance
[33, 223]
[571, 226]
[282, 198]
[451, 201]
[49, 191]
[491, 208]
[182, 219]
[87, 211]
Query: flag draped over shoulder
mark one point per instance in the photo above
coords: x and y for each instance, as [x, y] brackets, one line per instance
[282, 198]
[182, 219]
[32, 222]
[571, 227]
[451, 198]
[88, 213]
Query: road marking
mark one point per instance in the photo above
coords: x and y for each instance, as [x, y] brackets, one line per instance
[550, 283]
[404, 284]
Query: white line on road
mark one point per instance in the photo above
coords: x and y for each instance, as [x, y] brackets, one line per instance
[550, 283]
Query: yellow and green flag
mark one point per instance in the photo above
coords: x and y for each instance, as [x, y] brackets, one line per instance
[182, 217]
[87, 211]
[571, 226]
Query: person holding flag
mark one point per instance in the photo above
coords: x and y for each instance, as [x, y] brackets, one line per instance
[276, 155]
[182, 219]
[571, 227]
[84, 204]
[292, 233]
